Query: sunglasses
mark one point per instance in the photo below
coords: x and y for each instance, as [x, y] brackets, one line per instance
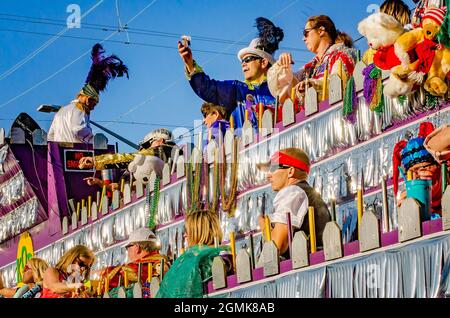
[248, 59]
[82, 264]
[128, 246]
[276, 167]
[306, 31]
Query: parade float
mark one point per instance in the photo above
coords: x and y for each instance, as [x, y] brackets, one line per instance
[371, 248]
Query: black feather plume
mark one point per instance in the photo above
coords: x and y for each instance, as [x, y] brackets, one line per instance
[270, 35]
[104, 68]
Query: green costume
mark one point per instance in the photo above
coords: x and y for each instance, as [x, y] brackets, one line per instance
[188, 273]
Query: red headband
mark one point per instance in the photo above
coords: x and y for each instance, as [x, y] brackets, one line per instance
[284, 159]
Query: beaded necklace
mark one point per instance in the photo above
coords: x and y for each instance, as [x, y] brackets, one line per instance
[229, 205]
[152, 204]
[194, 184]
[215, 198]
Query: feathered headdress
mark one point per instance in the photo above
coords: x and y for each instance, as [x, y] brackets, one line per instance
[411, 152]
[102, 70]
[269, 36]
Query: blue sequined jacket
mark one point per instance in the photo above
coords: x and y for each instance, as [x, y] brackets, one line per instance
[234, 95]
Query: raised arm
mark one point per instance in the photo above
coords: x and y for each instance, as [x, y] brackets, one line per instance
[218, 92]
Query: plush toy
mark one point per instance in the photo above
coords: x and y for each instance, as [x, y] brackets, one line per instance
[413, 156]
[432, 59]
[382, 31]
[143, 166]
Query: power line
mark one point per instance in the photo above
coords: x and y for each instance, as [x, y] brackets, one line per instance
[43, 46]
[113, 41]
[120, 21]
[111, 121]
[135, 107]
[74, 61]
[125, 28]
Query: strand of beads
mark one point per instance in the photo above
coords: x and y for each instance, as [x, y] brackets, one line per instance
[153, 204]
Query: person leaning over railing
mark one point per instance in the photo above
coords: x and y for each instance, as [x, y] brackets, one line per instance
[158, 143]
[288, 171]
[332, 53]
[66, 279]
[33, 273]
[189, 271]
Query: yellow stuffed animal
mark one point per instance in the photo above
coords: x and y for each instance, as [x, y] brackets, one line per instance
[433, 59]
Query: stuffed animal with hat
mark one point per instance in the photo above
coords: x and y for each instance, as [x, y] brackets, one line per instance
[382, 31]
[433, 59]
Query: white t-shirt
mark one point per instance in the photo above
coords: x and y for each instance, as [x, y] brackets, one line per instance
[290, 199]
[70, 125]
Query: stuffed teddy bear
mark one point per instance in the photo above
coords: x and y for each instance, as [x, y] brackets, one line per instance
[382, 31]
[143, 166]
[432, 60]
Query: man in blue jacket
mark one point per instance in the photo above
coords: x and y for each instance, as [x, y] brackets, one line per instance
[238, 96]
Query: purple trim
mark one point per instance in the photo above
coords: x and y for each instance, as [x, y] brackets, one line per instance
[352, 248]
[389, 238]
[316, 258]
[433, 226]
[324, 106]
[25, 158]
[285, 266]
[57, 195]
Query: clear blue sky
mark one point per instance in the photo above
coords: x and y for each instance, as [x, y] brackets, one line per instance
[157, 91]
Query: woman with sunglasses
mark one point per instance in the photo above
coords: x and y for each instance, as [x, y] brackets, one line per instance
[33, 273]
[66, 279]
[329, 46]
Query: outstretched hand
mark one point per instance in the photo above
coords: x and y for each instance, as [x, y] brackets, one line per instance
[86, 163]
[93, 181]
[186, 56]
[285, 59]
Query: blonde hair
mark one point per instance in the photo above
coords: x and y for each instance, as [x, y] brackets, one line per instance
[202, 226]
[71, 255]
[398, 9]
[38, 266]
